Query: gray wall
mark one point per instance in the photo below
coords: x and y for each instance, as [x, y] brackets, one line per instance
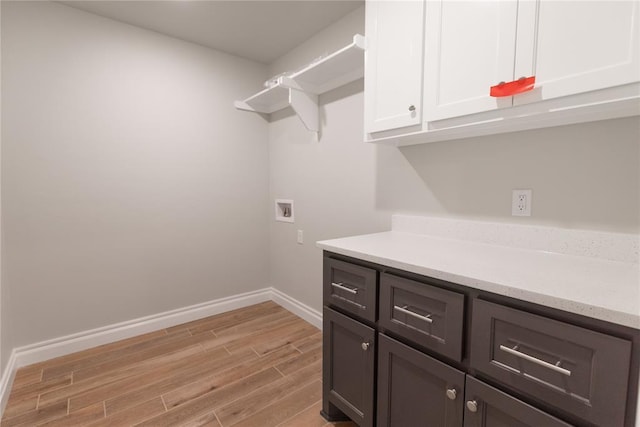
[130, 184]
[583, 176]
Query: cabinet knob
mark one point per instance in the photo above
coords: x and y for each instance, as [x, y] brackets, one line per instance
[365, 346]
[412, 108]
[472, 405]
[452, 393]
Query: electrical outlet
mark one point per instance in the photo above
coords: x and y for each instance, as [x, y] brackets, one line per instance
[521, 201]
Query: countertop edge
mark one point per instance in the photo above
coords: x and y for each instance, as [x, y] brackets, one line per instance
[622, 318]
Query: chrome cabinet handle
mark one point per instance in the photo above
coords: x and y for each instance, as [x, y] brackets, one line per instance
[341, 285]
[452, 393]
[365, 346]
[472, 405]
[556, 368]
[404, 310]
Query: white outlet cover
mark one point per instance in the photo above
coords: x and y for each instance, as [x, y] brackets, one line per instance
[521, 201]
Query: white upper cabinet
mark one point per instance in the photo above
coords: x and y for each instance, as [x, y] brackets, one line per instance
[393, 64]
[579, 46]
[470, 47]
[569, 47]
[493, 66]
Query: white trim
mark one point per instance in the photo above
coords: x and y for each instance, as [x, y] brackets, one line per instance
[45, 350]
[296, 307]
[7, 381]
[61, 346]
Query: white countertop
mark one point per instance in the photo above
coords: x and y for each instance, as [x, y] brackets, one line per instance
[598, 288]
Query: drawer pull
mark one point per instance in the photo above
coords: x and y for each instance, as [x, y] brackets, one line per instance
[341, 285]
[365, 346]
[348, 301]
[556, 368]
[404, 310]
[502, 89]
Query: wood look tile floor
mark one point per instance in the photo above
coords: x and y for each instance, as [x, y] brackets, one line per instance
[256, 366]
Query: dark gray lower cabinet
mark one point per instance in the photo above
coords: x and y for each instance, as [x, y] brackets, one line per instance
[349, 368]
[415, 389]
[352, 288]
[489, 407]
[428, 316]
[580, 371]
[376, 369]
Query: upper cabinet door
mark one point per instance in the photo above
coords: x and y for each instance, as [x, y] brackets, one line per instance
[393, 64]
[579, 46]
[470, 46]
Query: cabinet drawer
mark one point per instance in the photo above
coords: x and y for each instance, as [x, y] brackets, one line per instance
[582, 372]
[415, 389]
[348, 364]
[489, 407]
[350, 287]
[429, 316]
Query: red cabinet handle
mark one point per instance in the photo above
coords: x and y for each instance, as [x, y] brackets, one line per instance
[523, 84]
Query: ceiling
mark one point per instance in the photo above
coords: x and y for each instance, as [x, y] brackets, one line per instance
[261, 30]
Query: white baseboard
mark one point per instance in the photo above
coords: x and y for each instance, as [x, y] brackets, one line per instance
[56, 347]
[45, 350]
[296, 307]
[7, 380]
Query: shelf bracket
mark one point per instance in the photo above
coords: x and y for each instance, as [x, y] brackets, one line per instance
[289, 83]
[300, 90]
[306, 107]
[241, 105]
